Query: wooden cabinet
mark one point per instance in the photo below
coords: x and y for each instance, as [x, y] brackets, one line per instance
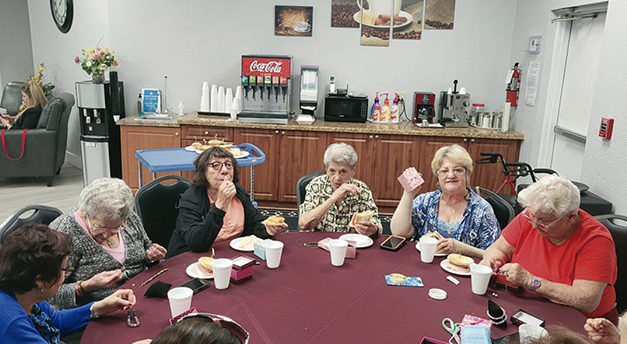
[134, 138]
[194, 133]
[289, 155]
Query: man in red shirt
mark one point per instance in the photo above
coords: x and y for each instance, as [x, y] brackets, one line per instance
[557, 250]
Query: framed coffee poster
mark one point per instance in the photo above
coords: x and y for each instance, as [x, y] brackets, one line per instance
[376, 21]
[345, 13]
[439, 14]
[293, 21]
[407, 24]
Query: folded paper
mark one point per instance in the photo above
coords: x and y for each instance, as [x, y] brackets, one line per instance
[404, 281]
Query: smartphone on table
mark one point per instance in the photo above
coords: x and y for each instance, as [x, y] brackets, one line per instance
[196, 284]
[393, 242]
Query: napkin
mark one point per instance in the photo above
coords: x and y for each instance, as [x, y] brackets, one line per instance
[473, 320]
[410, 179]
[404, 281]
[158, 289]
[351, 250]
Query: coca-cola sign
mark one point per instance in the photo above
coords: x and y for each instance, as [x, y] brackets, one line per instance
[270, 67]
[261, 65]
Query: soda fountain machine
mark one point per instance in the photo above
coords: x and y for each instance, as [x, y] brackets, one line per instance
[267, 85]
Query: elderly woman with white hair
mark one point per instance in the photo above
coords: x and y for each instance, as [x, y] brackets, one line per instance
[110, 243]
[464, 222]
[332, 199]
[557, 250]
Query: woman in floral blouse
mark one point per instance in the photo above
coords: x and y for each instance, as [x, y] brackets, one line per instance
[464, 219]
[332, 199]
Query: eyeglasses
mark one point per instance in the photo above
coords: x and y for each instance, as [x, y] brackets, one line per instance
[236, 329]
[457, 171]
[67, 270]
[101, 229]
[218, 165]
[534, 222]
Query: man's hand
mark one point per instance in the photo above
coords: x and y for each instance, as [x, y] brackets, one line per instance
[155, 252]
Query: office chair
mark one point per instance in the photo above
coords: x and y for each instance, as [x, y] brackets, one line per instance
[619, 234]
[155, 203]
[40, 214]
[502, 209]
[302, 183]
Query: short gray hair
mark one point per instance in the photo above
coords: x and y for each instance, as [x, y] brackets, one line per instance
[340, 153]
[106, 198]
[552, 194]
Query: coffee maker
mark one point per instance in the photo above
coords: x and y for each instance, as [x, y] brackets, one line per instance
[454, 108]
[424, 108]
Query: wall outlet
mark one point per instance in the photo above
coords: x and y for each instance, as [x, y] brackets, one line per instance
[401, 95]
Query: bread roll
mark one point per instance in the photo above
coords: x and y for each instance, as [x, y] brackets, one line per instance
[274, 220]
[205, 262]
[459, 260]
[364, 216]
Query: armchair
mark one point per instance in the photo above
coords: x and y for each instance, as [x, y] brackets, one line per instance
[44, 147]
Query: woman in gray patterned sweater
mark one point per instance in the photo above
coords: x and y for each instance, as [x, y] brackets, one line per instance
[110, 244]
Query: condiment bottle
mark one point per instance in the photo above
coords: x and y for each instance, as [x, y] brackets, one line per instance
[385, 109]
[394, 108]
[376, 109]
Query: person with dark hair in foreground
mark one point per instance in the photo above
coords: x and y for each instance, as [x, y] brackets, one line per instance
[33, 264]
[215, 207]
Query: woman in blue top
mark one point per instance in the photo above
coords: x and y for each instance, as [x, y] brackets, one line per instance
[464, 219]
[33, 264]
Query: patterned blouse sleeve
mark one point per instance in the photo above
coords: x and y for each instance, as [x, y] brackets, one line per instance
[312, 199]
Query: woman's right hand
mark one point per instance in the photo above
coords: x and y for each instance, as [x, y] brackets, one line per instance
[121, 299]
[602, 331]
[226, 192]
[105, 279]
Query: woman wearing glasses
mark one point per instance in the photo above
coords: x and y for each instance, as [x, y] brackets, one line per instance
[110, 243]
[33, 265]
[557, 250]
[464, 220]
[215, 207]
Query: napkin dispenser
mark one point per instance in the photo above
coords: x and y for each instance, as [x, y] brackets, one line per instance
[260, 248]
[242, 268]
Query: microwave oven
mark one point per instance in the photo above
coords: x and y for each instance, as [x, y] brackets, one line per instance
[345, 109]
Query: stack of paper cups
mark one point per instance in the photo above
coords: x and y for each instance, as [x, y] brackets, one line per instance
[204, 98]
[214, 98]
[221, 97]
[228, 100]
[506, 109]
[240, 97]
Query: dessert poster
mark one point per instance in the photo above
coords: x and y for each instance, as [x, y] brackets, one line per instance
[293, 21]
[376, 22]
[345, 13]
[408, 23]
[439, 14]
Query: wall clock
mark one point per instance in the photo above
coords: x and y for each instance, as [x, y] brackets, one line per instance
[62, 13]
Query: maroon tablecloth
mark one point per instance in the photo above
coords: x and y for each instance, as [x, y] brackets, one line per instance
[307, 300]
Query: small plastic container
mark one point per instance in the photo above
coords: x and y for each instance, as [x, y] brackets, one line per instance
[475, 110]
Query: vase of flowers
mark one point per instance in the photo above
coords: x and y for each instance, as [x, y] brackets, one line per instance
[95, 62]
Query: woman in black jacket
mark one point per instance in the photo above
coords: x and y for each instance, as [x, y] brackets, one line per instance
[215, 207]
[34, 100]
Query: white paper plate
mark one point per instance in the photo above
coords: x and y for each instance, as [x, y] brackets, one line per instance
[195, 271]
[437, 254]
[190, 148]
[235, 244]
[242, 154]
[453, 269]
[361, 240]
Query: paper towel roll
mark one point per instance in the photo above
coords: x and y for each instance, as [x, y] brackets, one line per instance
[221, 99]
[228, 100]
[214, 98]
[506, 109]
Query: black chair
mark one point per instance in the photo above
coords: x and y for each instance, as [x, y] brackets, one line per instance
[155, 203]
[619, 234]
[502, 209]
[32, 213]
[302, 183]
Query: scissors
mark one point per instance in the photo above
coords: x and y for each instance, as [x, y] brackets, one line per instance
[452, 328]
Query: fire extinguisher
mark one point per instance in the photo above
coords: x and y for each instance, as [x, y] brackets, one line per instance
[513, 85]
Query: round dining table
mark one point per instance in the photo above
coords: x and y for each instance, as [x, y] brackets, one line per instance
[308, 300]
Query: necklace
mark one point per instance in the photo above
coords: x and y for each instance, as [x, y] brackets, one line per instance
[453, 210]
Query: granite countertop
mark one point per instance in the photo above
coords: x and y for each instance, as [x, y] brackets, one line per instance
[401, 128]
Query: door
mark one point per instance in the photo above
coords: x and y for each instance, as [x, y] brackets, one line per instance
[301, 152]
[586, 36]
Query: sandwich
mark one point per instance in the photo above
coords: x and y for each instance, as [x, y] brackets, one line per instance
[460, 260]
[364, 216]
[247, 242]
[435, 235]
[274, 220]
[205, 263]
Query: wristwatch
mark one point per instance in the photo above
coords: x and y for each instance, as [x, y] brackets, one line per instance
[535, 284]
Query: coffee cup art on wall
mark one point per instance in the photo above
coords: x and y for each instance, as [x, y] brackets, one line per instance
[302, 26]
[382, 13]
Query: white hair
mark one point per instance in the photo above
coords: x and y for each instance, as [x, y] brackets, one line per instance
[552, 194]
[340, 153]
[106, 198]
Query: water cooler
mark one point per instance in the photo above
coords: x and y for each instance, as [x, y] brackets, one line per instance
[99, 106]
